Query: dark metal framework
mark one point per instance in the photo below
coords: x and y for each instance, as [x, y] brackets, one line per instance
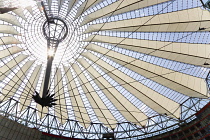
[157, 125]
[59, 33]
[55, 31]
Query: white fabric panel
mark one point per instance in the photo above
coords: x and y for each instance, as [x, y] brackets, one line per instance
[20, 13]
[80, 111]
[100, 109]
[7, 40]
[7, 29]
[60, 108]
[26, 96]
[178, 21]
[125, 107]
[120, 7]
[10, 19]
[195, 54]
[169, 78]
[7, 68]
[10, 51]
[151, 98]
[86, 5]
[12, 86]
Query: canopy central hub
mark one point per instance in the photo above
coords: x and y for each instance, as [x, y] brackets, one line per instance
[55, 29]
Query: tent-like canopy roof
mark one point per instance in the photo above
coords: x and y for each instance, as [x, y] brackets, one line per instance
[125, 65]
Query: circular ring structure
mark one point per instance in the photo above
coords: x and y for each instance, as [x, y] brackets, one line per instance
[56, 30]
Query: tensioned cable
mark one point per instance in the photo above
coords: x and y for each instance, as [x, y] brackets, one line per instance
[63, 106]
[61, 60]
[49, 114]
[42, 16]
[14, 82]
[12, 86]
[69, 42]
[30, 88]
[85, 47]
[115, 45]
[59, 63]
[142, 56]
[120, 41]
[15, 62]
[85, 113]
[144, 78]
[32, 108]
[24, 94]
[65, 52]
[91, 114]
[33, 19]
[150, 77]
[25, 30]
[94, 115]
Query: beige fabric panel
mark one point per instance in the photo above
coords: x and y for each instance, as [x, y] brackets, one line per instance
[71, 4]
[77, 103]
[60, 108]
[12, 86]
[195, 54]
[30, 10]
[20, 13]
[10, 19]
[9, 40]
[125, 107]
[119, 7]
[41, 111]
[49, 4]
[154, 100]
[169, 78]
[1, 4]
[60, 3]
[100, 109]
[39, 5]
[178, 21]
[86, 5]
[10, 51]
[6, 69]
[7, 29]
[25, 97]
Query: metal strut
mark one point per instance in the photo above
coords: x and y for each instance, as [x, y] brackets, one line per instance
[47, 75]
[51, 44]
[202, 3]
[54, 37]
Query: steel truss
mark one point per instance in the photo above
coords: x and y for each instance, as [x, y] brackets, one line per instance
[156, 125]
